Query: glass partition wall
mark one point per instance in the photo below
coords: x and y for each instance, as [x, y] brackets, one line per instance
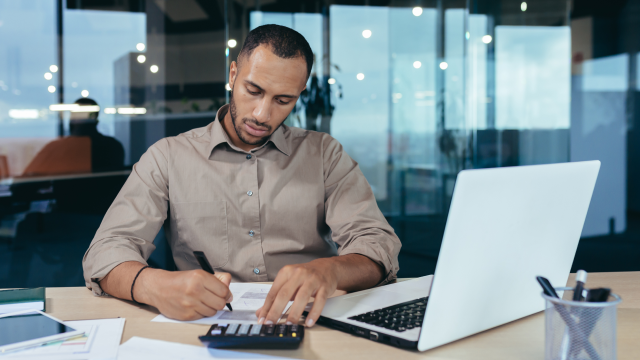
[416, 91]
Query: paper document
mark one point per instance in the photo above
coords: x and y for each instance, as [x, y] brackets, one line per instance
[138, 348]
[247, 298]
[100, 340]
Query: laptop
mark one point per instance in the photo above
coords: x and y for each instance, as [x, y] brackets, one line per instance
[505, 227]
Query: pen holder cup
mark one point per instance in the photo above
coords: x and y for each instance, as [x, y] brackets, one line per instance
[580, 330]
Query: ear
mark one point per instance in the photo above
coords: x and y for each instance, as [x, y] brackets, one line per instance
[233, 72]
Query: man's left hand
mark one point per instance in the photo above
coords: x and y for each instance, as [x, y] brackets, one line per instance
[299, 283]
[316, 279]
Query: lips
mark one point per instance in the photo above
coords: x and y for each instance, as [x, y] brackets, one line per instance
[254, 131]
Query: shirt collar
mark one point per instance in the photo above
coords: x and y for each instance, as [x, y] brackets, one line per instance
[280, 138]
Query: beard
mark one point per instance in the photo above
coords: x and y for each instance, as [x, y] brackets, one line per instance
[238, 126]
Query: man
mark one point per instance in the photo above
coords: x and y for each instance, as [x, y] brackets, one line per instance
[85, 150]
[107, 153]
[264, 201]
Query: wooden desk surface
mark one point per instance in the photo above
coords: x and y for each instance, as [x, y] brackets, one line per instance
[522, 339]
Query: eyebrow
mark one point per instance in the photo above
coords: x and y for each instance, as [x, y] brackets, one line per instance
[261, 89]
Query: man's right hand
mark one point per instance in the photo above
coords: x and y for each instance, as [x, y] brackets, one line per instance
[180, 295]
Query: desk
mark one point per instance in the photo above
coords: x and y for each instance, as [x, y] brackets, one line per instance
[522, 339]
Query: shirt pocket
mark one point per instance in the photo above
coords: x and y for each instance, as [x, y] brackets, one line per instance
[202, 226]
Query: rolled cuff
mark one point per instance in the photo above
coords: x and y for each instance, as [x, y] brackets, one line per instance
[97, 266]
[378, 256]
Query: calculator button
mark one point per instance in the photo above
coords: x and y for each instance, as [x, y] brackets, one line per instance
[244, 329]
[255, 330]
[231, 329]
[293, 330]
[269, 329]
[281, 330]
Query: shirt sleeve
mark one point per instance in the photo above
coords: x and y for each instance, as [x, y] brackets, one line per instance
[357, 225]
[133, 220]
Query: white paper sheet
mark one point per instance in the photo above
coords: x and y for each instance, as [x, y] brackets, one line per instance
[100, 341]
[138, 348]
[247, 298]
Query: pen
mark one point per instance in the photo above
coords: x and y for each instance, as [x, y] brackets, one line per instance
[581, 278]
[204, 264]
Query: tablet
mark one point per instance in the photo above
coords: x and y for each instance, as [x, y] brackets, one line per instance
[30, 328]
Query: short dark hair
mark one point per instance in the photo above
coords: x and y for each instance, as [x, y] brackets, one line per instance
[86, 101]
[284, 42]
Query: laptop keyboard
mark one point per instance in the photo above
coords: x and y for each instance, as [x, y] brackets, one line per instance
[400, 317]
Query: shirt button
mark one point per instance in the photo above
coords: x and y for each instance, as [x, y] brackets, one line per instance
[249, 192]
[248, 156]
[251, 233]
[256, 271]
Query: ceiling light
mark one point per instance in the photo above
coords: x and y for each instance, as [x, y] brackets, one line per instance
[523, 6]
[51, 89]
[444, 65]
[84, 93]
[141, 59]
[140, 46]
[53, 68]
[360, 76]
[487, 39]
[366, 34]
[48, 76]
[86, 108]
[63, 107]
[331, 81]
[131, 111]
[417, 64]
[417, 11]
[154, 68]
[232, 43]
[23, 113]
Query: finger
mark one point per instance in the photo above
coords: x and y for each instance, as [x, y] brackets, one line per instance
[225, 278]
[300, 303]
[318, 305]
[259, 311]
[216, 286]
[211, 300]
[204, 310]
[282, 299]
[280, 280]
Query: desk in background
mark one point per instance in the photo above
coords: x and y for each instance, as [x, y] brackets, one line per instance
[522, 339]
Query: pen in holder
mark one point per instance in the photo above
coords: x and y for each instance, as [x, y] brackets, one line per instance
[580, 330]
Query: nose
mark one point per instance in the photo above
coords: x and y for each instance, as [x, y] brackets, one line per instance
[262, 112]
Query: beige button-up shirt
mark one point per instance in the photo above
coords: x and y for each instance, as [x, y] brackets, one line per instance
[297, 198]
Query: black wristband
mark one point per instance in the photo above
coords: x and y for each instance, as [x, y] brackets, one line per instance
[134, 282]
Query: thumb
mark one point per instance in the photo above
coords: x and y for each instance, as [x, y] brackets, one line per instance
[225, 278]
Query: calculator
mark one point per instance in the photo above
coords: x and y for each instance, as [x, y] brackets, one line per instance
[253, 336]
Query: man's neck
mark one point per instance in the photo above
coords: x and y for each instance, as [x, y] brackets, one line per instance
[227, 126]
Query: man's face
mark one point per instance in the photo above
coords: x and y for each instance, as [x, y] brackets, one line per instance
[265, 90]
[75, 116]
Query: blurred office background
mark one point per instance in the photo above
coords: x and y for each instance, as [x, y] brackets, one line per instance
[415, 90]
